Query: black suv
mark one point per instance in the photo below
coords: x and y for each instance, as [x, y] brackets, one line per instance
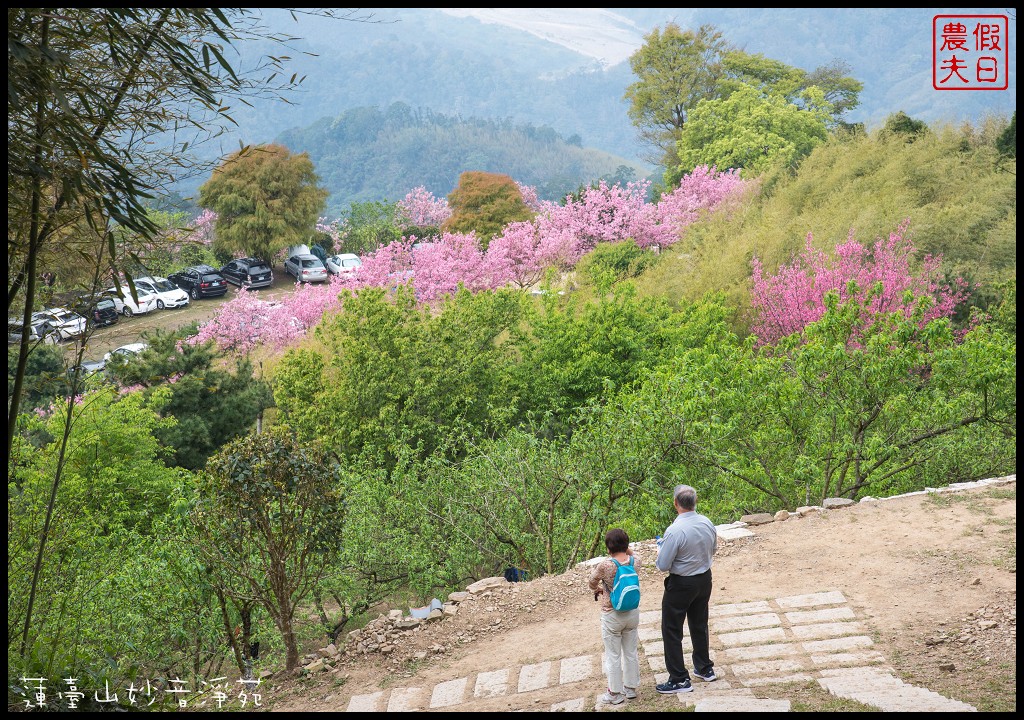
[249, 273]
[200, 281]
[103, 312]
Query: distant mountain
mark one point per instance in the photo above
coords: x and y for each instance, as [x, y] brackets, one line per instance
[371, 154]
[567, 69]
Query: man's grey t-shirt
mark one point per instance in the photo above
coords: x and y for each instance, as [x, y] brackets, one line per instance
[689, 545]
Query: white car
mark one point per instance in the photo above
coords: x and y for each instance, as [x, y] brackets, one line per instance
[343, 264]
[168, 295]
[67, 324]
[124, 303]
[125, 352]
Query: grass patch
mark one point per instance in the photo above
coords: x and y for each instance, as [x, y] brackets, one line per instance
[1003, 493]
[811, 697]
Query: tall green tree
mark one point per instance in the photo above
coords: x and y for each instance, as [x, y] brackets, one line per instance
[675, 70]
[266, 199]
[485, 203]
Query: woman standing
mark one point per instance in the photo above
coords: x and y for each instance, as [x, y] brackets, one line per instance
[618, 627]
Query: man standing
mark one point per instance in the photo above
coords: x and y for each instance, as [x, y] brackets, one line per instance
[685, 553]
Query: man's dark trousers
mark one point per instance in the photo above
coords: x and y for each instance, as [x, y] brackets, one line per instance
[686, 599]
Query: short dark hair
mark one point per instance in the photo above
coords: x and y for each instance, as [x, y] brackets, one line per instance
[685, 497]
[616, 540]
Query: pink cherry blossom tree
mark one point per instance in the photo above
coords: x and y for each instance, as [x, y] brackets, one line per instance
[420, 208]
[791, 299]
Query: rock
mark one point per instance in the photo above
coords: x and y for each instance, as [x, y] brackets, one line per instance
[395, 614]
[807, 510]
[834, 503]
[407, 623]
[758, 519]
[435, 615]
[315, 665]
[421, 655]
[265, 674]
[457, 597]
[976, 581]
[868, 498]
[948, 667]
[450, 609]
[781, 515]
[325, 652]
[487, 583]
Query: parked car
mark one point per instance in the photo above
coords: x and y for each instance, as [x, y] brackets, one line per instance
[67, 324]
[343, 264]
[103, 312]
[39, 330]
[248, 273]
[200, 281]
[168, 295]
[125, 352]
[88, 367]
[305, 267]
[127, 306]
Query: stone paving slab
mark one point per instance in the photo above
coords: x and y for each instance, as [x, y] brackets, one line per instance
[657, 663]
[887, 692]
[823, 630]
[650, 617]
[752, 637]
[576, 669]
[759, 652]
[405, 699]
[534, 677]
[870, 657]
[803, 617]
[850, 642]
[832, 597]
[365, 703]
[777, 679]
[734, 533]
[649, 633]
[745, 622]
[761, 606]
[769, 667]
[574, 705]
[491, 684]
[448, 693]
[741, 704]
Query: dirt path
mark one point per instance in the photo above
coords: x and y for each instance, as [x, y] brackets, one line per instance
[929, 580]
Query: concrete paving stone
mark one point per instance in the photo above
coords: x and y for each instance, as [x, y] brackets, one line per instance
[650, 617]
[746, 608]
[660, 678]
[657, 662]
[759, 652]
[776, 680]
[752, 637]
[745, 622]
[491, 684]
[576, 669]
[848, 658]
[824, 630]
[405, 699]
[832, 597]
[852, 642]
[655, 647]
[777, 666]
[888, 693]
[648, 633]
[741, 704]
[734, 533]
[448, 693]
[534, 677]
[702, 691]
[365, 703]
[804, 617]
[574, 705]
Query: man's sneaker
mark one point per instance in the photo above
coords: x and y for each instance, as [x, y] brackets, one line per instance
[668, 688]
[630, 693]
[610, 698]
[708, 676]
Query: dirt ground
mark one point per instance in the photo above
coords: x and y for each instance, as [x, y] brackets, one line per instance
[932, 576]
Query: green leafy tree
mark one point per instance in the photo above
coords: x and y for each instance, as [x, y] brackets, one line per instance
[370, 225]
[750, 130]
[271, 511]
[675, 70]
[266, 199]
[901, 124]
[485, 203]
[211, 405]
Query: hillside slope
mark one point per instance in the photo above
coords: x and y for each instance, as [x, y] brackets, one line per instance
[921, 586]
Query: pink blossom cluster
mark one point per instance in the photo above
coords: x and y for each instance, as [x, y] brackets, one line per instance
[420, 208]
[788, 301]
[332, 229]
[558, 237]
[203, 228]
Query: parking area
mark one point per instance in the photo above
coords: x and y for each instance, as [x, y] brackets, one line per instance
[130, 330]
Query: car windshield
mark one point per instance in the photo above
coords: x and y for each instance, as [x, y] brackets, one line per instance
[104, 304]
[166, 285]
[211, 278]
[312, 263]
[255, 269]
[64, 316]
[351, 262]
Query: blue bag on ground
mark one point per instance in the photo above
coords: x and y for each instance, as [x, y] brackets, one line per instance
[625, 593]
